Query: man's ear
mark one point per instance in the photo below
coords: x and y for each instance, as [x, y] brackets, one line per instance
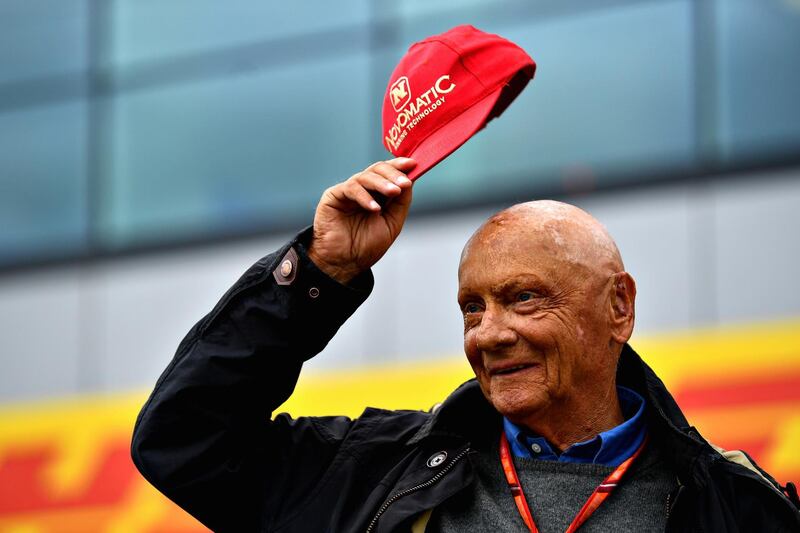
[622, 306]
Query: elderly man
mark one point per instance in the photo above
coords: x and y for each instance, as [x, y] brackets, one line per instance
[563, 428]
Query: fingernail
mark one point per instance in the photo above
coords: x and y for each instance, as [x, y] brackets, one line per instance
[374, 205]
[402, 180]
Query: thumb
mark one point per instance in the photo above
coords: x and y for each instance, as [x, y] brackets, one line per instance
[396, 210]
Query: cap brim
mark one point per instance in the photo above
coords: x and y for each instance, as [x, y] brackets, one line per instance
[448, 138]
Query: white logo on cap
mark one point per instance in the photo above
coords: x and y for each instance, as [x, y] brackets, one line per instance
[410, 113]
[400, 93]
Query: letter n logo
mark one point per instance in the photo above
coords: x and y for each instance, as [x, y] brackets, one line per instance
[400, 93]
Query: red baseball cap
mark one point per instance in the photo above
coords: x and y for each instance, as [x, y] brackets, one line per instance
[446, 89]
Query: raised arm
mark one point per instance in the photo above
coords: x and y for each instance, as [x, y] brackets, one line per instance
[205, 437]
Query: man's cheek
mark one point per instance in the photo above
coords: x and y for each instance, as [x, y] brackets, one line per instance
[475, 362]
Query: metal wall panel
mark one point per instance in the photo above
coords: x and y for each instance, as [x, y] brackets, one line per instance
[43, 330]
[702, 254]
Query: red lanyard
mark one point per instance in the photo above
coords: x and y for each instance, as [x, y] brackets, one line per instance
[598, 496]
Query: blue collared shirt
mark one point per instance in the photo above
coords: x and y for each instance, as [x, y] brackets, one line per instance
[609, 448]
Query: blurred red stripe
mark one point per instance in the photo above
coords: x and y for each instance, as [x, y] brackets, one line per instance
[757, 390]
[24, 487]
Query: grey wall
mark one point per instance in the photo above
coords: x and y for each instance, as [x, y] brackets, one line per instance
[714, 252]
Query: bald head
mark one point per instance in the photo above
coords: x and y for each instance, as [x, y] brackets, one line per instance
[567, 233]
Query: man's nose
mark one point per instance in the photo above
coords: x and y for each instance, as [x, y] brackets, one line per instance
[494, 331]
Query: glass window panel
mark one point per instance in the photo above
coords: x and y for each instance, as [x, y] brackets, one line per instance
[43, 183]
[612, 93]
[40, 38]
[239, 153]
[759, 76]
[241, 147]
[153, 29]
[411, 8]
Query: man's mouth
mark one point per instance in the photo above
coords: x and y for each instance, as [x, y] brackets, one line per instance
[510, 370]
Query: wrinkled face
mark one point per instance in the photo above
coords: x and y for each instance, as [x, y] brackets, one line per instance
[536, 326]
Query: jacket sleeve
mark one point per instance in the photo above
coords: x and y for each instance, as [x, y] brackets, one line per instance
[205, 438]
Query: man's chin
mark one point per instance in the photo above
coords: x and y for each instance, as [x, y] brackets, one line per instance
[515, 406]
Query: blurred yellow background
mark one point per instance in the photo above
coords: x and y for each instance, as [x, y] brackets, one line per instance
[65, 467]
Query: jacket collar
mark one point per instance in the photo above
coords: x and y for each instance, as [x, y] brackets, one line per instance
[690, 455]
[466, 414]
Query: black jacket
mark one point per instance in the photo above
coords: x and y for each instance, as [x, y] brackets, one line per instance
[205, 438]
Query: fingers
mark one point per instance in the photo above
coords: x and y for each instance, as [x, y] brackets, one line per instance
[378, 184]
[354, 192]
[383, 178]
[363, 189]
[393, 170]
[389, 187]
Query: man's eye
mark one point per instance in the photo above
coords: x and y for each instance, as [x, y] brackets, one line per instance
[525, 296]
[472, 308]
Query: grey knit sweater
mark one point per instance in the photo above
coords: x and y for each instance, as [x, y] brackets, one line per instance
[555, 493]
